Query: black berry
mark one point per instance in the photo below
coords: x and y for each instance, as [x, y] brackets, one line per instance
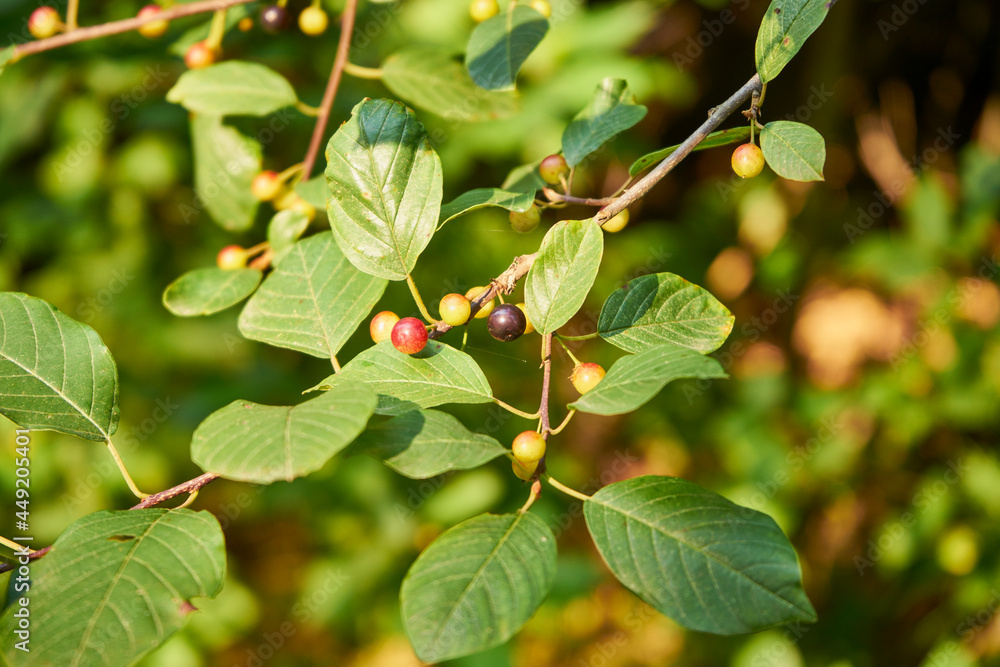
[274, 18]
[506, 323]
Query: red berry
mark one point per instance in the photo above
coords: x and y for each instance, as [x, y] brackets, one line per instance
[527, 221]
[199, 55]
[586, 376]
[274, 18]
[153, 29]
[409, 335]
[748, 161]
[231, 257]
[44, 22]
[507, 322]
[382, 324]
[455, 309]
[552, 168]
[528, 447]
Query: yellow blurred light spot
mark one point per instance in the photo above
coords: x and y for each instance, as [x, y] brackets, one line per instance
[763, 220]
[958, 550]
[730, 273]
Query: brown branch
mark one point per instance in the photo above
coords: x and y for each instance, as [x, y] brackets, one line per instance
[543, 409]
[643, 186]
[554, 196]
[189, 486]
[117, 27]
[502, 284]
[32, 556]
[343, 52]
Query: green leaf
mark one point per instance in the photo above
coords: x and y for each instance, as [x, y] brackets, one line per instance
[232, 88]
[793, 150]
[425, 443]
[635, 379]
[524, 179]
[314, 191]
[115, 585]
[313, 301]
[785, 27]
[664, 308]
[207, 291]
[284, 230]
[225, 163]
[433, 80]
[499, 46]
[439, 374]
[694, 556]
[482, 197]
[385, 186]
[611, 111]
[249, 442]
[55, 373]
[200, 32]
[563, 273]
[734, 135]
[477, 584]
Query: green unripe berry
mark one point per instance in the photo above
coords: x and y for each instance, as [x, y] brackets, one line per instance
[524, 471]
[153, 29]
[231, 257]
[552, 168]
[44, 22]
[486, 308]
[266, 186]
[527, 221]
[313, 21]
[617, 223]
[529, 447]
[748, 161]
[455, 309]
[542, 7]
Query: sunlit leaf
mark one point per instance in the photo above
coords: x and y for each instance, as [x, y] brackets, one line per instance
[793, 150]
[207, 291]
[435, 81]
[225, 163]
[563, 273]
[477, 584]
[284, 231]
[612, 111]
[499, 46]
[55, 373]
[785, 27]
[115, 585]
[425, 443]
[707, 563]
[635, 379]
[482, 197]
[385, 185]
[664, 308]
[232, 88]
[264, 443]
[313, 301]
[439, 374]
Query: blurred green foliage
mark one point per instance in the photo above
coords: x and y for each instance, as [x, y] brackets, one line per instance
[863, 410]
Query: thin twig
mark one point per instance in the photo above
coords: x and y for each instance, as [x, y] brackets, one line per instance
[568, 491]
[189, 486]
[343, 51]
[15, 546]
[543, 409]
[644, 185]
[4, 567]
[124, 471]
[570, 199]
[118, 27]
[511, 409]
[536, 491]
[502, 284]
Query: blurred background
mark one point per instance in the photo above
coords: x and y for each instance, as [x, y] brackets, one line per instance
[862, 412]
